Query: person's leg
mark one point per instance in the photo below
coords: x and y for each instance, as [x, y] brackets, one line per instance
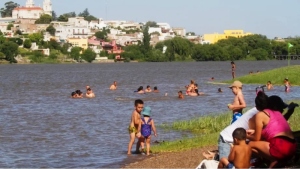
[131, 141]
[224, 148]
[263, 149]
[223, 163]
[148, 144]
[142, 141]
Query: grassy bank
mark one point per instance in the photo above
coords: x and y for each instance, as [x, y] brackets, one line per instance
[206, 131]
[276, 76]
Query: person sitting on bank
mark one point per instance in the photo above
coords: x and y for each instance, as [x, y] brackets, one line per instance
[113, 86]
[148, 89]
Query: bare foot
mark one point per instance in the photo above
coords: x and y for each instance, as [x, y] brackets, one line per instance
[208, 155]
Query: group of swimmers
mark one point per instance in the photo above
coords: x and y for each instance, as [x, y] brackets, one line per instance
[78, 94]
[148, 89]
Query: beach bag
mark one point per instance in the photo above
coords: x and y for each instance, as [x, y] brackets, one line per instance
[208, 164]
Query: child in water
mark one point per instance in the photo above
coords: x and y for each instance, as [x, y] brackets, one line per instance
[180, 95]
[287, 85]
[146, 126]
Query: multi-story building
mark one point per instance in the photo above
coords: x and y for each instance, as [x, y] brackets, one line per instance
[78, 42]
[75, 28]
[213, 38]
[179, 31]
[30, 11]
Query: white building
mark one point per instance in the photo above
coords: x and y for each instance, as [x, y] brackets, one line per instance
[75, 28]
[98, 24]
[30, 11]
[165, 26]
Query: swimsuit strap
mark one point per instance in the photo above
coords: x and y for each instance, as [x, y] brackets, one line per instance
[143, 120]
[266, 114]
[149, 120]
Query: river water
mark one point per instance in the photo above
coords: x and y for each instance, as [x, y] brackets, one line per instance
[41, 126]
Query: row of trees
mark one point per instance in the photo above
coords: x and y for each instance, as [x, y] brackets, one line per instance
[252, 47]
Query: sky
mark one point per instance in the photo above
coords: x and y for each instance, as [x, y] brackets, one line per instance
[273, 18]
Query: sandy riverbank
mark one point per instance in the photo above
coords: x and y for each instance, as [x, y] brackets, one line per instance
[185, 159]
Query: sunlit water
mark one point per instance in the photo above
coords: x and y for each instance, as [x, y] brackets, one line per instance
[41, 126]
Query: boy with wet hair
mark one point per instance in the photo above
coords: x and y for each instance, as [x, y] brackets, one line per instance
[134, 125]
[240, 152]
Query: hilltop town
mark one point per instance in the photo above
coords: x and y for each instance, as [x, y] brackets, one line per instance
[41, 35]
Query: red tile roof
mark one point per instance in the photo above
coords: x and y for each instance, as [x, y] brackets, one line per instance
[28, 8]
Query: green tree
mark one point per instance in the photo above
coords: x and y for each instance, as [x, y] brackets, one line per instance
[54, 16]
[1, 34]
[18, 41]
[7, 10]
[36, 37]
[190, 33]
[53, 44]
[2, 56]
[9, 26]
[132, 52]
[85, 13]
[51, 30]
[10, 50]
[2, 39]
[259, 54]
[18, 32]
[90, 18]
[44, 19]
[201, 52]
[151, 24]
[66, 16]
[37, 57]
[89, 55]
[146, 41]
[75, 53]
[101, 35]
[27, 43]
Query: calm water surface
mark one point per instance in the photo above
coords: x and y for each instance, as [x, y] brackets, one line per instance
[41, 126]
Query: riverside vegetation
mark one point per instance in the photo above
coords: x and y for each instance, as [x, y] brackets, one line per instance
[276, 76]
[252, 47]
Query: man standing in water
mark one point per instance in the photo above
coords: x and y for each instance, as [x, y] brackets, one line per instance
[233, 69]
[113, 86]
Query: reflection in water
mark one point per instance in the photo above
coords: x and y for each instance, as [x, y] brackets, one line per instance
[41, 126]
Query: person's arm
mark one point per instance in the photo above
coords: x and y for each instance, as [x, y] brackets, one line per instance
[140, 126]
[291, 109]
[136, 120]
[258, 127]
[153, 128]
[231, 154]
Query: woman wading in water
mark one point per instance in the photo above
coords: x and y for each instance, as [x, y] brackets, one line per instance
[233, 69]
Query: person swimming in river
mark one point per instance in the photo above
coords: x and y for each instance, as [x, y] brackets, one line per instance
[180, 95]
[191, 87]
[148, 89]
[155, 90]
[140, 90]
[269, 85]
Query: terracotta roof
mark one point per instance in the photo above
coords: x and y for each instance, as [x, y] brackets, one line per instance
[28, 8]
